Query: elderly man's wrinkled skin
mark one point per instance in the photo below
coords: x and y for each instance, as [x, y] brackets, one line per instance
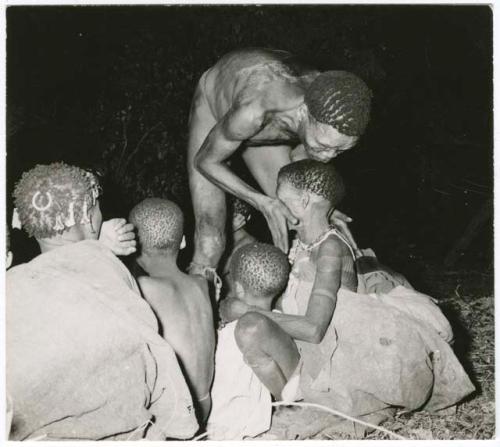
[251, 100]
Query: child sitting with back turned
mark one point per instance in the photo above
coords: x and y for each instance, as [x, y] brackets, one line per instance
[180, 301]
[241, 404]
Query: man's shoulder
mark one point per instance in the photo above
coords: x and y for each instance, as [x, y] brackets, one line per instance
[250, 56]
[260, 73]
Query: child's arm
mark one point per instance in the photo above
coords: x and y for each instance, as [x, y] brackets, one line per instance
[118, 236]
[313, 325]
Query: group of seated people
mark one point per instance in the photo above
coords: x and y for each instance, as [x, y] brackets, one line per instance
[94, 353]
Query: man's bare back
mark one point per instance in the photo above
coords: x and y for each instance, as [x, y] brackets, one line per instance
[253, 101]
[182, 306]
[258, 75]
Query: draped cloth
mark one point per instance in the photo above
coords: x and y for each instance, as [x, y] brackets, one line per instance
[84, 357]
[241, 404]
[380, 350]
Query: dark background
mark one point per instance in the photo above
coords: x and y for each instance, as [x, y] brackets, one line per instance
[110, 87]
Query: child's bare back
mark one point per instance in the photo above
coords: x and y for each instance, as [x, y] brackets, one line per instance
[180, 302]
[182, 306]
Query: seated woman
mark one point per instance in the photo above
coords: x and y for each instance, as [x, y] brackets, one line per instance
[84, 357]
[357, 353]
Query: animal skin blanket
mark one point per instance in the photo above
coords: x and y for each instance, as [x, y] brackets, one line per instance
[380, 350]
[84, 357]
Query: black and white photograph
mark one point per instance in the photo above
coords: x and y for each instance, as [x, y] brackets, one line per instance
[249, 222]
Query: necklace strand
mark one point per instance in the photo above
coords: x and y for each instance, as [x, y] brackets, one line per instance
[318, 240]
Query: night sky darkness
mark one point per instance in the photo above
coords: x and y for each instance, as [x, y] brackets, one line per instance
[78, 76]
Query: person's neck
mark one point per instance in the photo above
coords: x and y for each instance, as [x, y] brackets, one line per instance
[307, 79]
[297, 118]
[313, 226]
[70, 236]
[261, 302]
[239, 235]
[160, 264]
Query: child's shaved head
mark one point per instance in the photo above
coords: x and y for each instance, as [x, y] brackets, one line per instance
[261, 269]
[316, 177]
[159, 224]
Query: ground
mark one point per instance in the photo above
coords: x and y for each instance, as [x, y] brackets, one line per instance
[465, 298]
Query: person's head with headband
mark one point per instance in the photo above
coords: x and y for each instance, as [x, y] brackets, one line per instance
[58, 204]
[336, 112]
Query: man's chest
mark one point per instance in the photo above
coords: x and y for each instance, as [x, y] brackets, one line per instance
[273, 134]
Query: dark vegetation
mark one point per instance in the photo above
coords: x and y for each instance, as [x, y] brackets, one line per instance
[110, 87]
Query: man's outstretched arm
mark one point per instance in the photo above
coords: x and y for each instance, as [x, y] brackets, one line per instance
[238, 125]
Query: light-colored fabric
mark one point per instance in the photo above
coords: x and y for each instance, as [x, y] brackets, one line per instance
[84, 357]
[373, 277]
[241, 404]
[380, 350]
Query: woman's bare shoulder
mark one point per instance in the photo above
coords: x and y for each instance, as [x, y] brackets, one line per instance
[334, 246]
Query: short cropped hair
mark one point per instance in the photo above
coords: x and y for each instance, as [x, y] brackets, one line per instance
[52, 198]
[341, 100]
[237, 206]
[260, 268]
[159, 224]
[316, 177]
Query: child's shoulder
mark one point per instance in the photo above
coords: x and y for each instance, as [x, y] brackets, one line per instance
[149, 284]
[333, 245]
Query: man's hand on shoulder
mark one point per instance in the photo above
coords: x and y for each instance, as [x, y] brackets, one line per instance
[118, 236]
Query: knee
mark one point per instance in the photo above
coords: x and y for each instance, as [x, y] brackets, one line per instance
[250, 328]
[209, 237]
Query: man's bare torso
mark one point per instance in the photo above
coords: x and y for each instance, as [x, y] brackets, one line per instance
[261, 75]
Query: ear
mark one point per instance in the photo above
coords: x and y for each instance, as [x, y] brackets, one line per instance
[238, 222]
[304, 111]
[239, 290]
[305, 199]
[330, 213]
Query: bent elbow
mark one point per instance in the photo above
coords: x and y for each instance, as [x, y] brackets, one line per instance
[200, 162]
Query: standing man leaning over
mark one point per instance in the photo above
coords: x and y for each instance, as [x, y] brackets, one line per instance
[263, 103]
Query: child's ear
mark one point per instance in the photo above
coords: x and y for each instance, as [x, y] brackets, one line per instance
[305, 199]
[304, 111]
[238, 222]
[239, 290]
